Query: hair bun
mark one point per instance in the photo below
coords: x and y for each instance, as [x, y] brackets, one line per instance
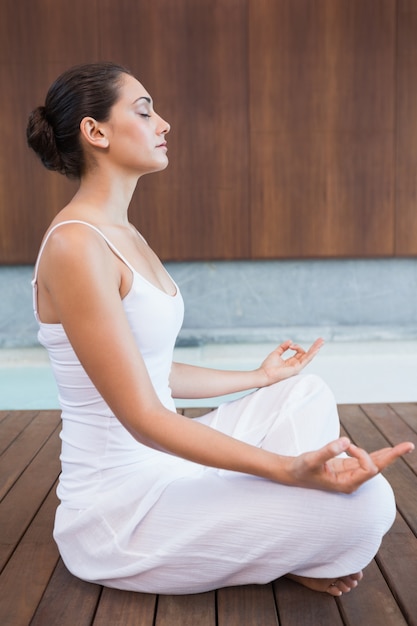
[53, 130]
[41, 138]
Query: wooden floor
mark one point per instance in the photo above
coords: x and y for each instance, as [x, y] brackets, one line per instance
[36, 589]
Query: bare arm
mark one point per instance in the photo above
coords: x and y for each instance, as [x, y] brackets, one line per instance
[83, 282]
[189, 381]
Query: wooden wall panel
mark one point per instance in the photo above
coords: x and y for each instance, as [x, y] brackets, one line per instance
[322, 96]
[406, 188]
[38, 40]
[192, 57]
[294, 122]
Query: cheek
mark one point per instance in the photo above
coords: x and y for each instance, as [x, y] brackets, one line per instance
[132, 130]
[142, 137]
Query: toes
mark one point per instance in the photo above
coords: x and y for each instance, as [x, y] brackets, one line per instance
[344, 584]
[334, 587]
[334, 590]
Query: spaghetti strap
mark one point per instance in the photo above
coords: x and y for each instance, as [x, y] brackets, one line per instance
[107, 240]
[35, 273]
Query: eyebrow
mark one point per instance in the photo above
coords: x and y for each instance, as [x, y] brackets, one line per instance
[149, 100]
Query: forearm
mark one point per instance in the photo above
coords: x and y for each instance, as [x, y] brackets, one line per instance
[191, 440]
[321, 469]
[189, 381]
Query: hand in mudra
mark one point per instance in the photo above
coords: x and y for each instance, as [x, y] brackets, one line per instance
[325, 469]
[275, 367]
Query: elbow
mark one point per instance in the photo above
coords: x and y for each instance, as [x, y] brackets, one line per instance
[150, 428]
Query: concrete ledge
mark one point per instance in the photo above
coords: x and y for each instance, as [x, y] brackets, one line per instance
[256, 301]
[344, 334]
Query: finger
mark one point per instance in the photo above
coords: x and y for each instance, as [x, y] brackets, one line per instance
[405, 447]
[308, 355]
[384, 457]
[315, 347]
[284, 346]
[306, 358]
[299, 354]
[330, 450]
[317, 344]
[365, 460]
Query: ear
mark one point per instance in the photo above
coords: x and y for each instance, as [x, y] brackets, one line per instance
[93, 133]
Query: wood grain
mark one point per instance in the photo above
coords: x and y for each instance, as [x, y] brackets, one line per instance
[36, 588]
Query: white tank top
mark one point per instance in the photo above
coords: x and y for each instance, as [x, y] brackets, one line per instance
[93, 439]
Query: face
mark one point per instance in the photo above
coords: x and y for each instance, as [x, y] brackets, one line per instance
[136, 133]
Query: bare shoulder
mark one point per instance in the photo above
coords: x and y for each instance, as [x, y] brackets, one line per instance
[72, 241]
[76, 250]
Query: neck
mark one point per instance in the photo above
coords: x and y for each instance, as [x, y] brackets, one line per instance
[106, 196]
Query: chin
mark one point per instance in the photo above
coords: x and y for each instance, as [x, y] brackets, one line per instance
[157, 167]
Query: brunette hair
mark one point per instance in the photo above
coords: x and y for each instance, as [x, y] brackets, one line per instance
[53, 130]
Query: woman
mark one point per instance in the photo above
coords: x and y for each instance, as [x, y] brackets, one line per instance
[150, 500]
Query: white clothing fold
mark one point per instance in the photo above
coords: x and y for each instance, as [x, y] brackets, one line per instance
[134, 518]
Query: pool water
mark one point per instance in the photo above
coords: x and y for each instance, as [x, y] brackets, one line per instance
[356, 372]
[27, 387]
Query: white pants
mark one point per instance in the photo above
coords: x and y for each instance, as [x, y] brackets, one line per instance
[220, 528]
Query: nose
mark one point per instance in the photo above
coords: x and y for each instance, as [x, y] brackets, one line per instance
[163, 126]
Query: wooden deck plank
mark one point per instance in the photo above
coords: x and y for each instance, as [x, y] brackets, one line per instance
[16, 458]
[402, 478]
[65, 598]
[21, 503]
[298, 606]
[187, 610]
[27, 573]
[397, 559]
[393, 428]
[36, 588]
[248, 605]
[3, 414]
[408, 412]
[371, 603]
[125, 608]
[374, 426]
[12, 425]
[196, 412]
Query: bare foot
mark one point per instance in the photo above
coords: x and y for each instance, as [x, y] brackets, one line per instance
[332, 586]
